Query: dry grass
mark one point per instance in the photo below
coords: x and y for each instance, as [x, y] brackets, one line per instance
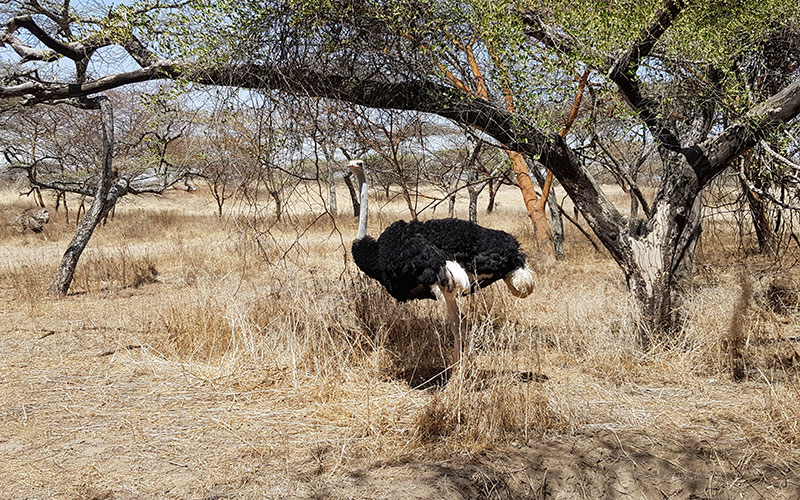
[201, 356]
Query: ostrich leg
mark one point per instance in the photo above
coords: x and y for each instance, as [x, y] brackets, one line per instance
[454, 320]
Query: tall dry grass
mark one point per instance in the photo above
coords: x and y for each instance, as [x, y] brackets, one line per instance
[259, 304]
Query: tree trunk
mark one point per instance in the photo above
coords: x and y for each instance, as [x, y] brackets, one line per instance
[348, 180]
[409, 201]
[59, 196]
[758, 209]
[492, 195]
[763, 229]
[473, 191]
[557, 225]
[473, 205]
[451, 206]
[556, 221]
[37, 195]
[662, 254]
[81, 211]
[218, 186]
[104, 200]
[278, 206]
[634, 199]
[542, 234]
[110, 213]
[331, 191]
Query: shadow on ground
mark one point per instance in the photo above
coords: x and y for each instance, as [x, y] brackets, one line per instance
[601, 465]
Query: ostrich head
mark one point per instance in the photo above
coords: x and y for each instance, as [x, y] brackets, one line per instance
[357, 167]
[42, 216]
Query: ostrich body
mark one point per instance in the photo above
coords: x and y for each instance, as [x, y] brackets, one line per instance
[439, 258]
[33, 219]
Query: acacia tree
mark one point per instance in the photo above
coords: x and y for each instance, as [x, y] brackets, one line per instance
[266, 136]
[460, 161]
[139, 150]
[471, 81]
[394, 138]
[449, 165]
[222, 159]
[368, 53]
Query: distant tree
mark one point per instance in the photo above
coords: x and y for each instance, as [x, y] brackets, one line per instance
[80, 153]
[222, 160]
[394, 138]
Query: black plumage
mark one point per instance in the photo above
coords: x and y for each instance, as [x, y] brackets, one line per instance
[409, 257]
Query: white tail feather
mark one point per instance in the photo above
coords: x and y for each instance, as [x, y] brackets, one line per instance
[520, 281]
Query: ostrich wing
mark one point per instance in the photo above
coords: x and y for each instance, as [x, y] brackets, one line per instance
[497, 256]
[411, 265]
[488, 254]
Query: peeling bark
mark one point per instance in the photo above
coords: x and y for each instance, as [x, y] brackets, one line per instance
[556, 221]
[542, 234]
[662, 251]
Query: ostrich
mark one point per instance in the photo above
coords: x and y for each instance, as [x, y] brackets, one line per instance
[33, 219]
[438, 259]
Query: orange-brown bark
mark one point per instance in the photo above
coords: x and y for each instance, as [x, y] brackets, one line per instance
[534, 204]
[542, 232]
[573, 115]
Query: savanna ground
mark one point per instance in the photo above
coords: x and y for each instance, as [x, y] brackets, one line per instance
[201, 358]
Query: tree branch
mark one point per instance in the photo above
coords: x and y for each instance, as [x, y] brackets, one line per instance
[141, 54]
[513, 132]
[36, 92]
[625, 176]
[27, 22]
[786, 161]
[701, 125]
[762, 193]
[28, 53]
[623, 73]
[552, 38]
[712, 156]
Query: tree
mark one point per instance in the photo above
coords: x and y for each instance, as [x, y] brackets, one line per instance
[764, 70]
[397, 159]
[134, 153]
[384, 55]
[222, 159]
[474, 83]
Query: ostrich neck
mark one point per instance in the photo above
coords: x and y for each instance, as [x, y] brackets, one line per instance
[362, 215]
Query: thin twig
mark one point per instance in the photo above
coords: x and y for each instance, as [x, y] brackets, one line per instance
[127, 347]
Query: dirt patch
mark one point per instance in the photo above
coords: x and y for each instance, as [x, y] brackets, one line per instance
[603, 464]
